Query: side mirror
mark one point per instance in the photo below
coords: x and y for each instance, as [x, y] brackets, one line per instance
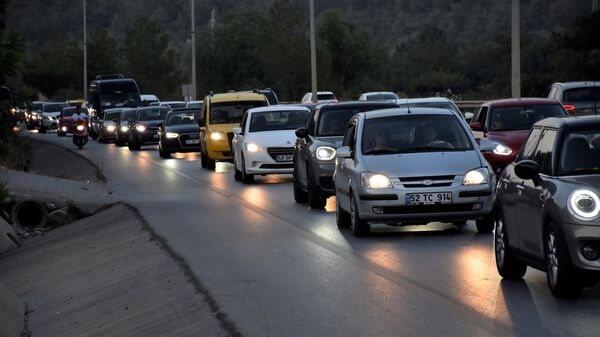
[237, 131]
[476, 126]
[486, 145]
[527, 169]
[343, 152]
[468, 116]
[301, 133]
[161, 125]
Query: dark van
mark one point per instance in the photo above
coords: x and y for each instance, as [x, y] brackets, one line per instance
[109, 94]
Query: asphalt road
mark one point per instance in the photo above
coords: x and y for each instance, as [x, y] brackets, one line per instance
[277, 268]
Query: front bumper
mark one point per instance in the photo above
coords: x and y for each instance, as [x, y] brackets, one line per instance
[389, 205]
[219, 150]
[323, 175]
[147, 137]
[577, 236]
[181, 143]
[262, 163]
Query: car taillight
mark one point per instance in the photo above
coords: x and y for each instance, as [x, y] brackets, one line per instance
[569, 107]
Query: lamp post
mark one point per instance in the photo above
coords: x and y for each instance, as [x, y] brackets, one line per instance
[516, 50]
[313, 52]
[85, 80]
[193, 54]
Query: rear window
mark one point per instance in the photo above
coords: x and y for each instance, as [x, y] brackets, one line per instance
[333, 119]
[580, 153]
[176, 105]
[522, 117]
[54, 107]
[439, 105]
[582, 94]
[278, 120]
[381, 97]
[326, 97]
[232, 112]
[152, 114]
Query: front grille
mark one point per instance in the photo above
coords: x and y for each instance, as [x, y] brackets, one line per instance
[274, 152]
[327, 183]
[416, 209]
[277, 166]
[419, 182]
[188, 136]
[230, 139]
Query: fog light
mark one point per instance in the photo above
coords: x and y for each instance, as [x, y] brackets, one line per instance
[377, 210]
[477, 206]
[590, 252]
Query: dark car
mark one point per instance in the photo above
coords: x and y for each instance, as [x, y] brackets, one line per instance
[106, 127]
[143, 128]
[547, 207]
[180, 132]
[122, 123]
[314, 151]
[578, 98]
[33, 114]
[507, 122]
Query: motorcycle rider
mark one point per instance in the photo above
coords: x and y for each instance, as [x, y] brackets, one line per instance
[79, 115]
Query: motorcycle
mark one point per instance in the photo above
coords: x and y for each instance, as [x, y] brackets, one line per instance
[80, 134]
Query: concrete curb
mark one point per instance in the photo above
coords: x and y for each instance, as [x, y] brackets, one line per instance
[8, 238]
[12, 314]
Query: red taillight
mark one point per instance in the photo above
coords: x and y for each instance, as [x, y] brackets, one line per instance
[569, 107]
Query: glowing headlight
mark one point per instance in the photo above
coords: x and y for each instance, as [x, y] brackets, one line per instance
[502, 150]
[217, 135]
[110, 128]
[124, 128]
[172, 135]
[80, 127]
[140, 128]
[375, 181]
[252, 147]
[584, 205]
[34, 117]
[325, 153]
[476, 177]
[64, 129]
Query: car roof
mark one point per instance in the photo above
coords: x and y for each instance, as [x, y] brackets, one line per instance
[406, 112]
[521, 101]
[377, 93]
[579, 84]
[575, 122]
[279, 107]
[113, 109]
[322, 93]
[422, 100]
[152, 108]
[184, 110]
[237, 96]
[356, 103]
[170, 102]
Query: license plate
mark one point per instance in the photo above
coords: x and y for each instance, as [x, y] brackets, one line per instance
[192, 141]
[429, 198]
[284, 157]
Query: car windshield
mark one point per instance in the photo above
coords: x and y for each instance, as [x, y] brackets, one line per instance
[55, 107]
[109, 116]
[68, 112]
[231, 112]
[152, 114]
[439, 105]
[326, 97]
[182, 118]
[381, 97]
[119, 95]
[125, 115]
[333, 118]
[414, 133]
[522, 117]
[582, 94]
[36, 106]
[278, 120]
[580, 153]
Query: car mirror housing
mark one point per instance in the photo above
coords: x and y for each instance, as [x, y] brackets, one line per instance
[237, 131]
[301, 133]
[527, 169]
[344, 152]
[468, 116]
[486, 145]
[476, 126]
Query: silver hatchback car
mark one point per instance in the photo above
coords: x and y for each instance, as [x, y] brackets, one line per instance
[411, 166]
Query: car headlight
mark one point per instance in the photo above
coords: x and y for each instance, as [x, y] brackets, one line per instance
[140, 128]
[325, 153]
[216, 135]
[172, 135]
[476, 177]
[502, 150]
[34, 117]
[251, 147]
[64, 129]
[584, 204]
[80, 127]
[110, 128]
[124, 128]
[375, 181]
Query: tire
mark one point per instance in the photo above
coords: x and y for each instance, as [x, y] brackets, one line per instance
[342, 218]
[102, 140]
[93, 134]
[163, 154]
[246, 178]
[119, 142]
[237, 174]
[358, 226]
[485, 225]
[508, 266]
[43, 129]
[561, 275]
[203, 160]
[300, 195]
[315, 198]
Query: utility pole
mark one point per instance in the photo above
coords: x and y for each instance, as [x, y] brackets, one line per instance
[516, 50]
[85, 80]
[313, 52]
[595, 5]
[193, 54]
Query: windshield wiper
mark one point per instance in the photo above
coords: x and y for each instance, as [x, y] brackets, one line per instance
[382, 151]
[433, 149]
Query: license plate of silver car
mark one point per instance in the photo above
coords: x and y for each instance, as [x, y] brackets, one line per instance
[429, 198]
[285, 157]
[192, 141]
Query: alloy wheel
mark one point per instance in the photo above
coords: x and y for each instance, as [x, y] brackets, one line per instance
[500, 247]
[552, 258]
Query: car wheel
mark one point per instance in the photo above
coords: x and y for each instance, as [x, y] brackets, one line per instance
[102, 140]
[119, 142]
[359, 227]
[42, 129]
[508, 265]
[299, 194]
[246, 178]
[342, 218]
[315, 199]
[203, 160]
[485, 225]
[560, 273]
[237, 174]
[164, 154]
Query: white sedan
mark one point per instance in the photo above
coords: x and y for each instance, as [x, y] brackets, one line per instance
[264, 142]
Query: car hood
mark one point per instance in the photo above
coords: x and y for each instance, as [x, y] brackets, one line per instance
[583, 180]
[280, 138]
[183, 128]
[332, 141]
[149, 124]
[423, 164]
[513, 139]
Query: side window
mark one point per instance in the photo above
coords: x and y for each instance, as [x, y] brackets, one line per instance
[310, 126]
[529, 146]
[349, 135]
[243, 123]
[552, 93]
[481, 115]
[204, 118]
[544, 150]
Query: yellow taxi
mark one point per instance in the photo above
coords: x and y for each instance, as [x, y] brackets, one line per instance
[222, 113]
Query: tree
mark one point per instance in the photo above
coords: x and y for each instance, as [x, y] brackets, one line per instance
[11, 51]
[103, 53]
[150, 60]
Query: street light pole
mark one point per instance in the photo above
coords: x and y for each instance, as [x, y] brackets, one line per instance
[193, 54]
[85, 80]
[313, 52]
[516, 50]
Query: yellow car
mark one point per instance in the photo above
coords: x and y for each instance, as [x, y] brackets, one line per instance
[222, 113]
